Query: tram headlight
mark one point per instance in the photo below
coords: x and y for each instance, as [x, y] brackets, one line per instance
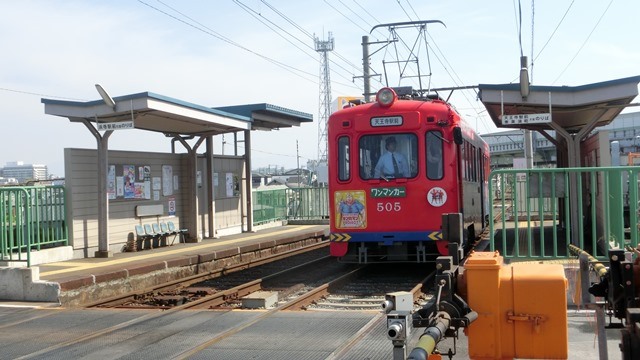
[386, 97]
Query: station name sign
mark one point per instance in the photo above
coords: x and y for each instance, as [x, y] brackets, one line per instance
[120, 125]
[386, 121]
[526, 119]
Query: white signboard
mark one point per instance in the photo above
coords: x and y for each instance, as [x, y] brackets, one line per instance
[120, 125]
[386, 121]
[526, 119]
[520, 163]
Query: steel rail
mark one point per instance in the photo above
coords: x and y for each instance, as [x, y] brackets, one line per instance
[117, 300]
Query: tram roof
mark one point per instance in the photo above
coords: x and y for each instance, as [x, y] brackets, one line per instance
[154, 112]
[572, 107]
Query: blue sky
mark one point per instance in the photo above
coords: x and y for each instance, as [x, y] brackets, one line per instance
[218, 53]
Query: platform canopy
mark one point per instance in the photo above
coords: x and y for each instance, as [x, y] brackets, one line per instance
[572, 107]
[158, 113]
[177, 119]
[267, 116]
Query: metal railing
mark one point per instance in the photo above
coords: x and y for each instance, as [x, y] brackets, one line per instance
[290, 204]
[33, 218]
[537, 213]
[269, 205]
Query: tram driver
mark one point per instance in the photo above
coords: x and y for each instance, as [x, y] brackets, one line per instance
[391, 163]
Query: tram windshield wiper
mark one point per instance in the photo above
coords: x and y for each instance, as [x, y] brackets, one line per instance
[384, 178]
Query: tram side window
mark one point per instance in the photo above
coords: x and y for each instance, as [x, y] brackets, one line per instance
[343, 159]
[465, 161]
[435, 161]
[474, 164]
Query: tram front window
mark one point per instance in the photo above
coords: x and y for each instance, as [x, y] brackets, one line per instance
[388, 156]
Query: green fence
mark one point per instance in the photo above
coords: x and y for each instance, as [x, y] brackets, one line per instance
[33, 218]
[270, 205]
[537, 213]
[290, 204]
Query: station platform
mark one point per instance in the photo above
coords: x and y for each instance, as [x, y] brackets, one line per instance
[81, 281]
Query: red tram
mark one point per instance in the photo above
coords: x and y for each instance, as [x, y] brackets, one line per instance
[396, 165]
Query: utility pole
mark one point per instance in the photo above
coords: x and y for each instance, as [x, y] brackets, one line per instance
[298, 162]
[524, 92]
[323, 47]
[365, 68]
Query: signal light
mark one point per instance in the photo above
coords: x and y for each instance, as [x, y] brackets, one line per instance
[386, 96]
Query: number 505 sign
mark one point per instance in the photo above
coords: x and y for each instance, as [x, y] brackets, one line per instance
[388, 206]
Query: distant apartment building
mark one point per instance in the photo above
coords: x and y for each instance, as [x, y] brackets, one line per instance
[24, 172]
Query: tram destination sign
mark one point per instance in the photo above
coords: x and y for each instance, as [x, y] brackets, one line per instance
[386, 121]
[519, 119]
[392, 191]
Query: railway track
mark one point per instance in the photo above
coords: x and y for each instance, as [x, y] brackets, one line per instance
[181, 291]
[309, 285]
[334, 295]
[304, 280]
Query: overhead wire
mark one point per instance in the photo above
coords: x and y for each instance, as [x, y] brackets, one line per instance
[293, 23]
[534, 59]
[366, 11]
[533, 14]
[312, 37]
[43, 95]
[259, 17]
[403, 9]
[221, 37]
[210, 32]
[346, 17]
[584, 42]
[308, 34]
[353, 12]
[350, 20]
[448, 68]
[553, 33]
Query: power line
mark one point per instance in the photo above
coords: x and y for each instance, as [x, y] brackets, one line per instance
[584, 43]
[210, 32]
[533, 12]
[278, 154]
[258, 16]
[355, 13]
[405, 11]
[293, 23]
[42, 95]
[309, 35]
[366, 11]
[345, 16]
[553, 33]
[447, 65]
[412, 9]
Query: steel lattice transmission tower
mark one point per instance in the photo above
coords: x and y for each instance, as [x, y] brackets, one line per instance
[323, 47]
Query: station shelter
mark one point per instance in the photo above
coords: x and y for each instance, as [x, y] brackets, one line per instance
[109, 192]
[573, 112]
